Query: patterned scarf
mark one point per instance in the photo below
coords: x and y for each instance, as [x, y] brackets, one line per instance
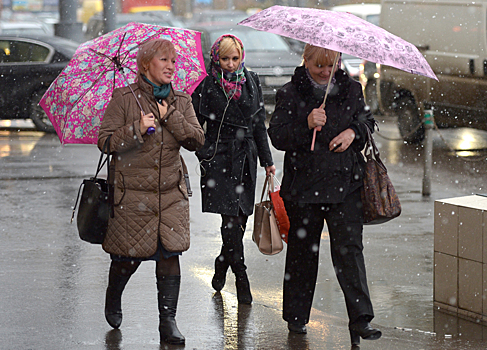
[230, 82]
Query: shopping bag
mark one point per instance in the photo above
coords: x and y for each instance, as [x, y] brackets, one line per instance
[379, 198]
[279, 209]
[266, 232]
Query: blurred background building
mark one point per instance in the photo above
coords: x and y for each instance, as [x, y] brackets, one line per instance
[184, 8]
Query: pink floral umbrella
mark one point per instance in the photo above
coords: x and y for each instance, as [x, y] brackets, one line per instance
[76, 101]
[341, 32]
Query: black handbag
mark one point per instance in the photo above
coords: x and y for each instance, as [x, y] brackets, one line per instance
[96, 204]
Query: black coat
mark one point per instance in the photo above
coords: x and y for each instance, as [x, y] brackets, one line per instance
[319, 176]
[229, 168]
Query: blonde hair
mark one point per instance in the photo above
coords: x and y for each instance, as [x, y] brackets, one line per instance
[228, 44]
[149, 49]
[320, 55]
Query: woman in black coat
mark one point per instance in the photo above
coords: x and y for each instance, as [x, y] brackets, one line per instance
[230, 107]
[323, 184]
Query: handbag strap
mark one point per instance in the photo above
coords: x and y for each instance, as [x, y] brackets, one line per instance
[101, 163]
[372, 149]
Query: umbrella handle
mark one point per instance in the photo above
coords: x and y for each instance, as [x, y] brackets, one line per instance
[150, 130]
[318, 128]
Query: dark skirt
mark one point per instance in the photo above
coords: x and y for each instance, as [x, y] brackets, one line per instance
[161, 252]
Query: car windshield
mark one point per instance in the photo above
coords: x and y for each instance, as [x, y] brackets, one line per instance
[256, 40]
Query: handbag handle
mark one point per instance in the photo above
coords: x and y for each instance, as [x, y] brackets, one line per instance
[101, 163]
[269, 181]
[371, 148]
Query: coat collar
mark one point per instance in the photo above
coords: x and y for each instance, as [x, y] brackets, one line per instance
[149, 90]
[304, 87]
[213, 102]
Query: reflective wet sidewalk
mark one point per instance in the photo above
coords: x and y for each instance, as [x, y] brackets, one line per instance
[52, 284]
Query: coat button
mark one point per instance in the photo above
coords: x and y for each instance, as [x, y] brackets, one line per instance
[156, 214]
[156, 168]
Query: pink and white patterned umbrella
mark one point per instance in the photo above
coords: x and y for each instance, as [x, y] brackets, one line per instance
[76, 100]
[341, 32]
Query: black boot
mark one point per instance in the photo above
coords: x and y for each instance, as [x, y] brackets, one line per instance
[118, 277]
[220, 276]
[244, 295]
[232, 236]
[168, 293]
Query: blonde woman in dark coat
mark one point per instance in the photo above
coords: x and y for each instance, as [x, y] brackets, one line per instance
[323, 184]
[151, 207]
[230, 106]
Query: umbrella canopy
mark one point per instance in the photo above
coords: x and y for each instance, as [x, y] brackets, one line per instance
[76, 101]
[341, 32]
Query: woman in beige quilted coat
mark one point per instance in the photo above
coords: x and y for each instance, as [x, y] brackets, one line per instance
[151, 208]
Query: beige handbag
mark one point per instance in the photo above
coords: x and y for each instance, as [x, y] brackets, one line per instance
[266, 232]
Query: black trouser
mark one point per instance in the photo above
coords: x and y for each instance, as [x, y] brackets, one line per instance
[345, 226]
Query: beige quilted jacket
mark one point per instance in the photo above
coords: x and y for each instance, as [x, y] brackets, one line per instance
[150, 194]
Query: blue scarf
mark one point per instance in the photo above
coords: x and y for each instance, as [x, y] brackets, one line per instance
[160, 92]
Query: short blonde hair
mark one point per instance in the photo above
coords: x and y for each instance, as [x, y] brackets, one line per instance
[149, 49]
[320, 55]
[228, 44]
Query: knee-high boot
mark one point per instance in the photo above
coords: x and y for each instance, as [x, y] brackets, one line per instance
[233, 238]
[118, 277]
[168, 293]
[222, 263]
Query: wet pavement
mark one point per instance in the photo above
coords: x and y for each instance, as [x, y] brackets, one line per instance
[52, 284]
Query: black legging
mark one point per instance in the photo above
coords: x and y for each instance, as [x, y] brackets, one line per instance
[164, 267]
[232, 231]
[345, 226]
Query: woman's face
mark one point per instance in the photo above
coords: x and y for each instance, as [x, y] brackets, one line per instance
[230, 61]
[160, 69]
[320, 74]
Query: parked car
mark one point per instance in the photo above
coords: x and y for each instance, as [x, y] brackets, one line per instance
[95, 26]
[28, 65]
[217, 16]
[266, 54]
[451, 35]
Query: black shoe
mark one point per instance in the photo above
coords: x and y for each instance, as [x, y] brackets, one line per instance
[244, 295]
[219, 278]
[364, 330]
[297, 328]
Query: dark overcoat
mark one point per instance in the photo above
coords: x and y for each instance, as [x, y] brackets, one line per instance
[319, 176]
[150, 195]
[235, 135]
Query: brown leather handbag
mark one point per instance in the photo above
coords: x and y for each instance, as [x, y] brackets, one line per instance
[266, 231]
[379, 198]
